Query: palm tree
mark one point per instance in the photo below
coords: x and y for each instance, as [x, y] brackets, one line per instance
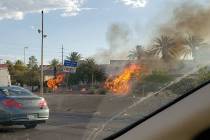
[74, 56]
[54, 63]
[164, 47]
[136, 53]
[193, 43]
[132, 54]
[91, 68]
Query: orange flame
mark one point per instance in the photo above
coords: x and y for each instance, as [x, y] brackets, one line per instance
[53, 83]
[120, 84]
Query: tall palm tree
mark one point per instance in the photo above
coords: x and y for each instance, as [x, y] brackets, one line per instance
[54, 63]
[74, 56]
[193, 43]
[132, 54]
[136, 53]
[164, 47]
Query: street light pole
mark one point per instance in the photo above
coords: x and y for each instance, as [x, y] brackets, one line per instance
[41, 31]
[42, 49]
[25, 54]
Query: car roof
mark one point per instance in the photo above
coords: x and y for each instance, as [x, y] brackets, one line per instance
[8, 86]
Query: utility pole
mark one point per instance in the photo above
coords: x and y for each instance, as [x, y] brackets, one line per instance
[42, 49]
[62, 54]
[41, 31]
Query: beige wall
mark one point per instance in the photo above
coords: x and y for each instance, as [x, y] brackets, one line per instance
[4, 77]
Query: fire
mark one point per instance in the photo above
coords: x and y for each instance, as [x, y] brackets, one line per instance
[53, 83]
[120, 84]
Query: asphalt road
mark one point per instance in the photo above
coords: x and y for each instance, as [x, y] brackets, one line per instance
[82, 117]
[60, 126]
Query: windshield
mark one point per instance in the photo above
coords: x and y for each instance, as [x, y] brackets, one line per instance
[100, 65]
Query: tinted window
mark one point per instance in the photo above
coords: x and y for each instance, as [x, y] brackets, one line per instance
[15, 91]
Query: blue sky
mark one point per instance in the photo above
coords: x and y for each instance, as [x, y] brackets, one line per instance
[84, 32]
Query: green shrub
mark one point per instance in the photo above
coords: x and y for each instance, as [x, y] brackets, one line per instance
[102, 91]
[203, 74]
[92, 90]
[158, 77]
[146, 87]
[183, 86]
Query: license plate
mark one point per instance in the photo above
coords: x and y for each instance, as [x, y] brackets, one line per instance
[32, 117]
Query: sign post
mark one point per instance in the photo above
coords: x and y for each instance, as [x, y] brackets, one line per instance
[69, 67]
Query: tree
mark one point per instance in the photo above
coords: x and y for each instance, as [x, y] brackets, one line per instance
[136, 53]
[32, 64]
[158, 76]
[8, 62]
[203, 74]
[32, 75]
[20, 74]
[10, 67]
[11, 70]
[20, 70]
[18, 62]
[54, 63]
[88, 72]
[194, 43]
[74, 56]
[87, 69]
[164, 47]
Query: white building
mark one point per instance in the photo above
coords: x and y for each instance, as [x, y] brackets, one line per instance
[4, 76]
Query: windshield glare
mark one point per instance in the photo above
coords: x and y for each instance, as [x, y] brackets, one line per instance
[100, 65]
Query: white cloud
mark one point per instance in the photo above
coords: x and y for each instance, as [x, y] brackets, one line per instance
[77, 11]
[135, 3]
[16, 9]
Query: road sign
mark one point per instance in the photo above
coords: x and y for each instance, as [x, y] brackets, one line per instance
[68, 63]
[70, 66]
[69, 69]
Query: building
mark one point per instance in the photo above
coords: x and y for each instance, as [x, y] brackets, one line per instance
[4, 75]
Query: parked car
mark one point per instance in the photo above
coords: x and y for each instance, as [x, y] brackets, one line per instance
[19, 106]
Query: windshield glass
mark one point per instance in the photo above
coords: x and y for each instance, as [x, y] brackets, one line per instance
[100, 65]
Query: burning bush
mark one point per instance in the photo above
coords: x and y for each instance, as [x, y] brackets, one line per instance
[53, 83]
[121, 83]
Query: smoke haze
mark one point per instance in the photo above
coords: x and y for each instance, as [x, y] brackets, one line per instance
[188, 18]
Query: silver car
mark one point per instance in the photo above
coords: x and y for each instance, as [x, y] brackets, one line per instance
[19, 106]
